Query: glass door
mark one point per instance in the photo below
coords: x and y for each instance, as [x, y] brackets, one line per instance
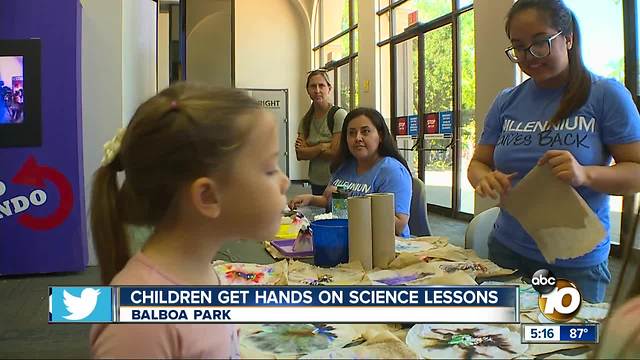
[432, 97]
[438, 135]
[406, 99]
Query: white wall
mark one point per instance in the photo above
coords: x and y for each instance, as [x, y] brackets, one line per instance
[101, 86]
[272, 50]
[494, 71]
[138, 54]
[118, 72]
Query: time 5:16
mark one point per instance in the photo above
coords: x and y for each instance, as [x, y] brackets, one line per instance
[541, 333]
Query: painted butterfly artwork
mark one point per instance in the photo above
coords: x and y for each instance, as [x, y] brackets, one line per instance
[293, 338]
[471, 342]
[235, 276]
[465, 341]
[300, 273]
[464, 266]
[251, 274]
[324, 279]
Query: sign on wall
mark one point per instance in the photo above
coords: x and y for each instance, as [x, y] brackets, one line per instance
[438, 125]
[277, 100]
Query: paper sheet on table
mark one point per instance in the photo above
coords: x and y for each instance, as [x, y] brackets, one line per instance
[420, 244]
[377, 345]
[554, 214]
[344, 274]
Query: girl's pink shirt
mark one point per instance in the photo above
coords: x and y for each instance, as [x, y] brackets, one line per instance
[160, 340]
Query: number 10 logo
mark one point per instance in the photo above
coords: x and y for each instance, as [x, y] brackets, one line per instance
[559, 299]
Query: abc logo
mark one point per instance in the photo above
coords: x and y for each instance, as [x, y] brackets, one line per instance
[559, 299]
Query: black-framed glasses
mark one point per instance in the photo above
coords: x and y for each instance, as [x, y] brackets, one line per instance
[538, 49]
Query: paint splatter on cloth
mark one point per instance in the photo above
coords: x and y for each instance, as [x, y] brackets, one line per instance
[251, 274]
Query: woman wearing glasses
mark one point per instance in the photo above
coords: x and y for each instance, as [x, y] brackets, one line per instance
[319, 131]
[563, 116]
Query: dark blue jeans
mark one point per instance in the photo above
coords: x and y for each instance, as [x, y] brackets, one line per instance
[592, 281]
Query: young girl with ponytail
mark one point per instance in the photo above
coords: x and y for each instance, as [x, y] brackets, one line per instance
[193, 161]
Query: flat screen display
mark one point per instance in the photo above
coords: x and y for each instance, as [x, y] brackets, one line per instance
[11, 89]
[20, 93]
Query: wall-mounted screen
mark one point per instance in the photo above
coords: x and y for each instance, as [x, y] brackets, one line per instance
[20, 78]
[11, 89]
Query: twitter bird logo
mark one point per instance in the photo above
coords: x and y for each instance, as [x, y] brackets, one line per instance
[80, 307]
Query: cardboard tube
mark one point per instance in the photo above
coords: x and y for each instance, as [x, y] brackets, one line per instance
[383, 229]
[359, 209]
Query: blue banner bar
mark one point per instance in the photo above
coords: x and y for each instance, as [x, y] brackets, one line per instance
[485, 296]
[579, 333]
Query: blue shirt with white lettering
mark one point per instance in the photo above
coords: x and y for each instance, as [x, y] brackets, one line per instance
[388, 175]
[515, 125]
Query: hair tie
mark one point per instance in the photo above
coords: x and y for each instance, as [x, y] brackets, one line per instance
[111, 149]
[174, 104]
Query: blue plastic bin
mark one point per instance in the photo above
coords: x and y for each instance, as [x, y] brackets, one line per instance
[330, 242]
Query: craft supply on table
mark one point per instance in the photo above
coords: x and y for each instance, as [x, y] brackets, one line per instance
[452, 266]
[285, 249]
[330, 242]
[360, 237]
[383, 229]
[293, 239]
[290, 224]
[303, 242]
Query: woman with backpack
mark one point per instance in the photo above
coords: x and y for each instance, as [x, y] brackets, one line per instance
[319, 130]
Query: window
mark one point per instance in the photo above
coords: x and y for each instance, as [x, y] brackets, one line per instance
[467, 106]
[602, 34]
[427, 10]
[421, 81]
[335, 47]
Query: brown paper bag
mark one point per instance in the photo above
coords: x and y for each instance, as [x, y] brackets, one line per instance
[555, 215]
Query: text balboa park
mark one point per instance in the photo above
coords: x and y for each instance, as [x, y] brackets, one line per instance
[294, 297]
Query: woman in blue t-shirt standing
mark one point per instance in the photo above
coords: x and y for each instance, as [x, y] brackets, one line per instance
[563, 116]
[367, 162]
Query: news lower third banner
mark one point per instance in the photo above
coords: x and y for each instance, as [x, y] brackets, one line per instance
[285, 304]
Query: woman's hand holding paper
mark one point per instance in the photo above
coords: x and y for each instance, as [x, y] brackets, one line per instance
[494, 183]
[565, 167]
